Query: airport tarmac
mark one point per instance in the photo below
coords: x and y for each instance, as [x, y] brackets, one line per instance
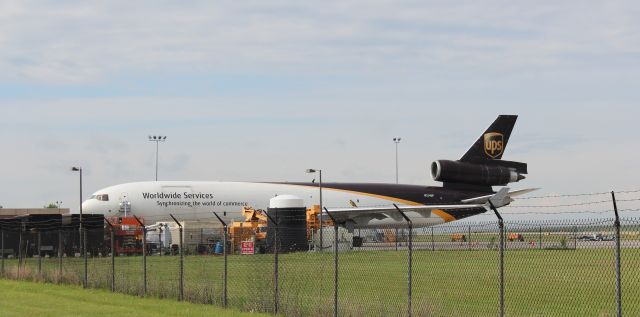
[390, 246]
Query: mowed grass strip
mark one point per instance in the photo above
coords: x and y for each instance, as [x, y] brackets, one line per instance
[374, 283]
[38, 299]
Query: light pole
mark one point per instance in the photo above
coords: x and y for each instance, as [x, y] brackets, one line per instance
[396, 141]
[320, 186]
[79, 169]
[157, 139]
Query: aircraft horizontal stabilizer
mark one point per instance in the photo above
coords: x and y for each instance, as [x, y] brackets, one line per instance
[500, 199]
[485, 198]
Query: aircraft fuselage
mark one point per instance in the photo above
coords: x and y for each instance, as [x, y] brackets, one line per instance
[191, 200]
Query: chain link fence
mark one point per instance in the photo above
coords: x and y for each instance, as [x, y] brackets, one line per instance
[549, 268]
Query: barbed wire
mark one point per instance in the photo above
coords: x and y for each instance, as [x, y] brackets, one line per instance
[560, 212]
[627, 191]
[574, 204]
[562, 205]
[579, 194]
[634, 199]
[562, 195]
[547, 213]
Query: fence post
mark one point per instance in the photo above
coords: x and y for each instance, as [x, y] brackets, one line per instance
[501, 268]
[276, 246]
[469, 238]
[181, 295]
[616, 224]
[540, 238]
[335, 262]
[160, 239]
[2, 252]
[86, 260]
[39, 252]
[20, 248]
[433, 243]
[396, 239]
[113, 256]
[144, 256]
[410, 268]
[224, 252]
[60, 253]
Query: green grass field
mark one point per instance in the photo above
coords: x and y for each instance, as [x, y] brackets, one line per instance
[22, 299]
[374, 283]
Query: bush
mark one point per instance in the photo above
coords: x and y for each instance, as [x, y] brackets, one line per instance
[563, 242]
[492, 243]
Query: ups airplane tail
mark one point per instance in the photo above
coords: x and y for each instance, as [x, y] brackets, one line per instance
[482, 167]
[491, 144]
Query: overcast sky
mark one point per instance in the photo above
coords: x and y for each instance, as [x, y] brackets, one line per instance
[262, 90]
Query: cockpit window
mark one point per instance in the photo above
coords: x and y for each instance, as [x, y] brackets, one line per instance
[103, 197]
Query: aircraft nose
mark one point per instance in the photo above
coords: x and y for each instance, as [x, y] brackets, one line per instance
[87, 207]
[93, 206]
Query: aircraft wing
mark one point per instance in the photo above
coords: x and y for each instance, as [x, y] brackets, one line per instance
[364, 214]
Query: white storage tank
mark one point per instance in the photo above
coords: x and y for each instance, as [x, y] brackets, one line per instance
[290, 213]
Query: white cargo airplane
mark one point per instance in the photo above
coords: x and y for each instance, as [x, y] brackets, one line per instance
[467, 189]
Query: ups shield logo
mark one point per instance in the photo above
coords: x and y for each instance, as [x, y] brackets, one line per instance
[493, 144]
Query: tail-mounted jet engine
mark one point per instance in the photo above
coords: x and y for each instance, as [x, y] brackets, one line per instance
[490, 172]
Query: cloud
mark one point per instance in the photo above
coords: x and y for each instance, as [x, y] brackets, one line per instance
[258, 90]
[78, 42]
